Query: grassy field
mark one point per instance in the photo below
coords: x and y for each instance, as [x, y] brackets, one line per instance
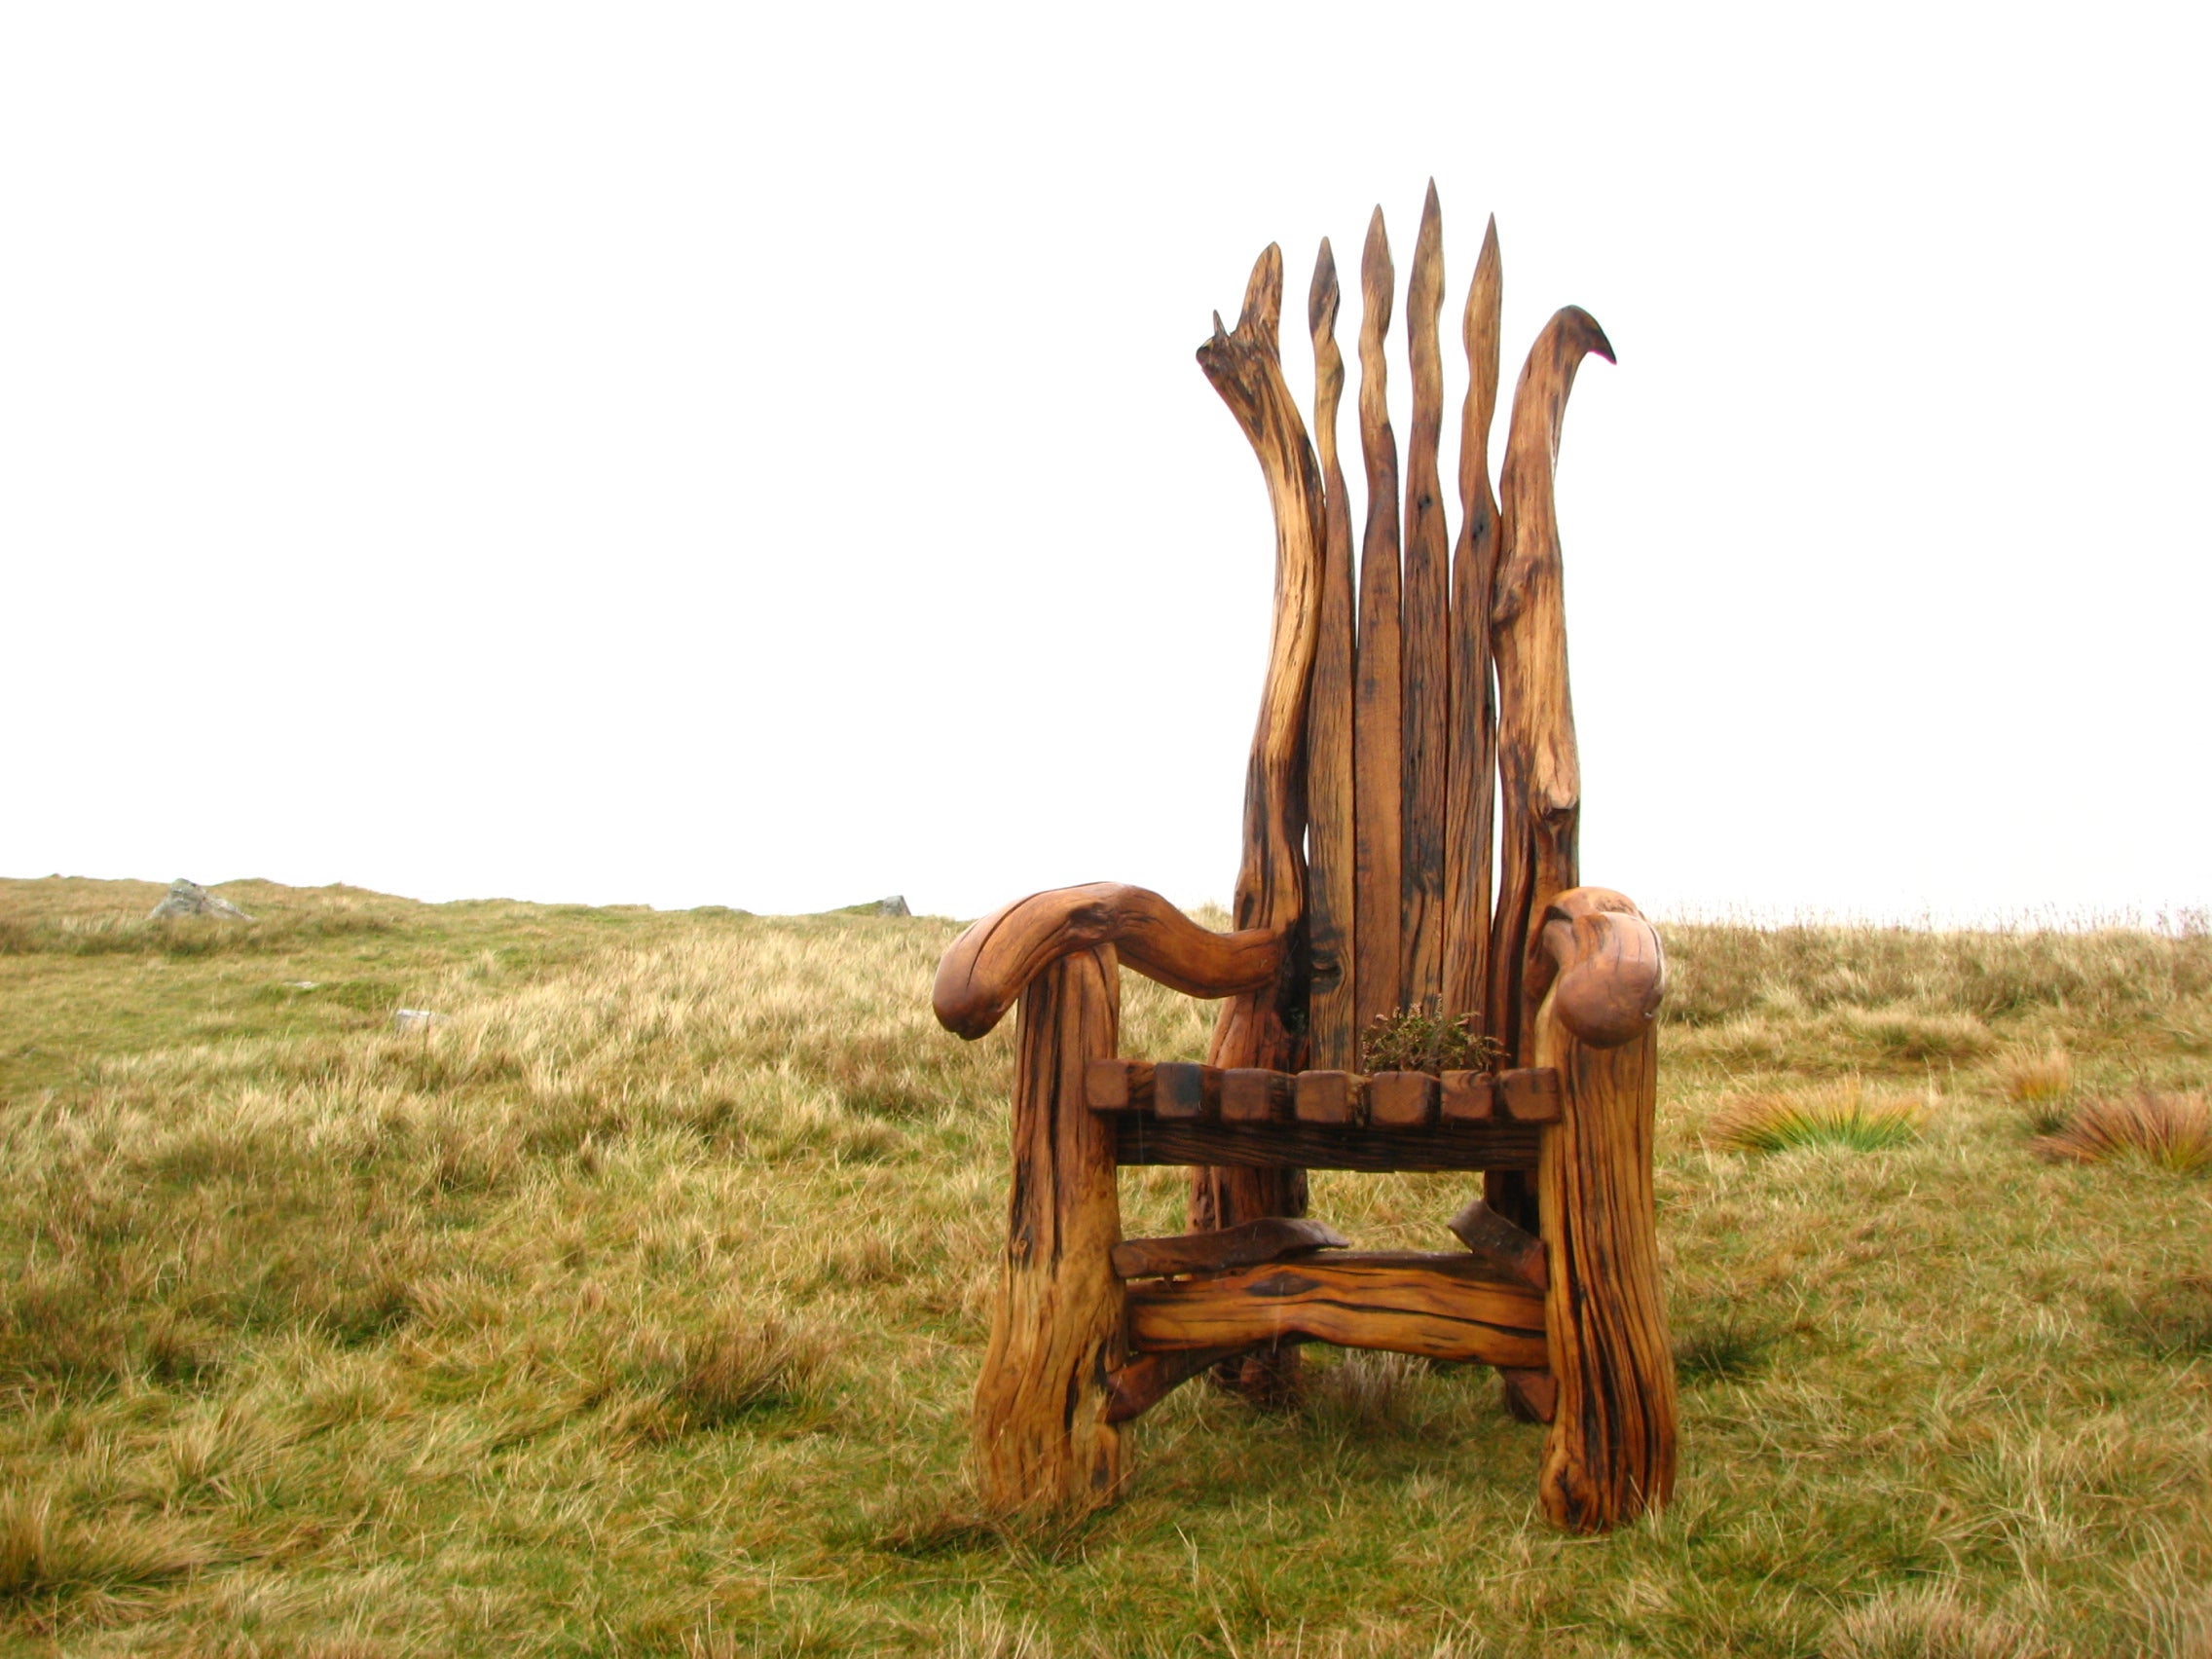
[632, 1307]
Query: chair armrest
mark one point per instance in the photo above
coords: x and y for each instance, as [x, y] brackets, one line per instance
[987, 967]
[1603, 964]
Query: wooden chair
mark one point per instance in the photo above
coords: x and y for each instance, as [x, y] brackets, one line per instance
[1394, 729]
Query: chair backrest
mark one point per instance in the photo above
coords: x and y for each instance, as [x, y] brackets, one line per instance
[1408, 712]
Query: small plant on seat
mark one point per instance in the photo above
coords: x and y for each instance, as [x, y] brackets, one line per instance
[1426, 1040]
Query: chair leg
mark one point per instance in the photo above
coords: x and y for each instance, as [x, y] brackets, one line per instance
[1609, 1455]
[1042, 1437]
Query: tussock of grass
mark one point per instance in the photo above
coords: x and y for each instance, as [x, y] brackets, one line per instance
[1367, 1394]
[741, 1364]
[1836, 1114]
[635, 1306]
[2038, 1079]
[47, 1551]
[1928, 1624]
[2042, 1083]
[1723, 1350]
[2172, 1320]
[2165, 1129]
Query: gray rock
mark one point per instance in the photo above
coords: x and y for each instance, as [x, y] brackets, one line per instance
[190, 899]
[895, 906]
[415, 1018]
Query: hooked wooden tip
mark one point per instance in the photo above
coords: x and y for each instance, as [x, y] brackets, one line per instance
[1581, 329]
[1603, 965]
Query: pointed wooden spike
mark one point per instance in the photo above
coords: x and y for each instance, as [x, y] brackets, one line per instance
[1378, 737]
[1263, 298]
[1426, 631]
[1331, 1021]
[1471, 789]
[1322, 295]
[1539, 772]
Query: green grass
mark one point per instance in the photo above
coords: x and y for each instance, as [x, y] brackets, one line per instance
[632, 1307]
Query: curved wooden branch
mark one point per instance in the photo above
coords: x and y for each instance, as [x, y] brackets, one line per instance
[1245, 369]
[1260, 1028]
[1539, 773]
[987, 967]
[1601, 965]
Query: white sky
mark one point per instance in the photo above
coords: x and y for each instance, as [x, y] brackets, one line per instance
[708, 455]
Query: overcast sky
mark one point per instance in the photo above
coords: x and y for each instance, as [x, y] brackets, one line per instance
[705, 455]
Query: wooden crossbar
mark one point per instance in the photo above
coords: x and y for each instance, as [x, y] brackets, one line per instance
[1445, 1307]
[1139, 1140]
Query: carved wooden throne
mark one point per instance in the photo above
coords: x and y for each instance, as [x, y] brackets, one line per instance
[1395, 730]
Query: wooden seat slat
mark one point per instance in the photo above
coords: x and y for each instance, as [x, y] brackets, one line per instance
[1254, 1098]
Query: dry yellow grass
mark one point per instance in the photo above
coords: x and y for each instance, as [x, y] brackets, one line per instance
[2038, 1080]
[632, 1308]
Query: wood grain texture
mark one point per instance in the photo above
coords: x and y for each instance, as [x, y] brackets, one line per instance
[1500, 1144]
[1425, 632]
[1183, 1093]
[1042, 1434]
[1508, 1248]
[1471, 782]
[1609, 1455]
[1261, 1027]
[1529, 1094]
[1444, 1307]
[1116, 1084]
[984, 970]
[1270, 1238]
[1331, 841]
[1329, 1097]
[1150, 1378]
[1469, 1097]
[1539, 773]
[1530, 1396]
[1252, 1094]
[1378, 735]
[1401, 1100]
